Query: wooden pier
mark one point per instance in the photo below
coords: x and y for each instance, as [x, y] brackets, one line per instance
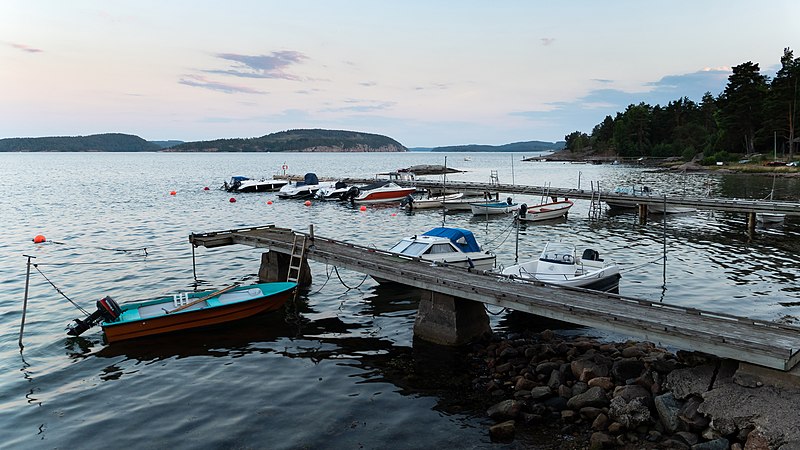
[758, 342]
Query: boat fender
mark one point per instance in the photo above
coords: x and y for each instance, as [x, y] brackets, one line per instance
[523, 209]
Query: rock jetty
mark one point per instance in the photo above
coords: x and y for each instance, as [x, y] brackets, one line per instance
[630, 395]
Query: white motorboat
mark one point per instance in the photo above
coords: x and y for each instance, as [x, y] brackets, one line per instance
[334, 192]
[660, 208]
[381, 192]
[494, 207]
[560, 264]
[545, 211]
[244, 184]
[770, 218]
[409, 202]
[626, 197]
[303, 189]
[444, 245]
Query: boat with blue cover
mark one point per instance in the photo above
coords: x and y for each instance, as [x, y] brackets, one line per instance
[447, 245]
[183, 311]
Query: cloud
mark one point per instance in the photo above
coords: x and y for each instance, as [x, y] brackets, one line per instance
[203, 82]
[261, 66]
[357, 105]
[25, 48]
[547, 41]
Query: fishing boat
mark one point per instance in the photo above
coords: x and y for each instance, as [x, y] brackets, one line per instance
[446, 245]
[544, 211]
[303, 189]
[244, 184]
[494, 207]
[381, 192]
[560, 264]
[183, 311]
[409, 202]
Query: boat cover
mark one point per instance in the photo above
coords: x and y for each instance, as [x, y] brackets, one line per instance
[463, 239]
[311, 178]
[239, 179]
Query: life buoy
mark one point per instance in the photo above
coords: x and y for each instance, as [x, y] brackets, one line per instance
[284, 167]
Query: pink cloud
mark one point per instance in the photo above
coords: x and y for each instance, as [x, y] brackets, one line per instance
[26, 48]
[203, 82]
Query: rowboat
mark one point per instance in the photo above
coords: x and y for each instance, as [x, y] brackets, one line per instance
[494, 207]
[183, 311]
[545, 211]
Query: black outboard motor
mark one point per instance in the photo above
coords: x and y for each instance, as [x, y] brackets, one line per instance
[509, 200]
[340, 185]
[351, 194]
[407, 202]
[107, 310]
[523, 209]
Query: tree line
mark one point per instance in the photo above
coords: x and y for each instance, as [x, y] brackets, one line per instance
[754, 114]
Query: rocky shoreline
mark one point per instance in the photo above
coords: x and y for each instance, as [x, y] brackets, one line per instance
[629, 395]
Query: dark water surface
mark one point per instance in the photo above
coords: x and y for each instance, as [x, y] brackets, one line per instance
[339, 369]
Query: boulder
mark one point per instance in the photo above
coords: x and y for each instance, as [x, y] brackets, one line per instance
[600, 440]
[507, 409]
[556, 379]
[668, 410]
[586, 369]
[540, 393]
[716, 444]
[629, 413]
[627, 368]
[604, 382]
[503, 431]
[632, 391]
[690, 381]
[595, 396]
[691, 417]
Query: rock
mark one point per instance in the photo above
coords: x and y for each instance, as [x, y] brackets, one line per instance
[615, 427]
[600, 422]
[664, 365]
[523, 384]
[564, 391]
[595, 396]
[547, 335]
[673, 444]
[716, 444]
[540, 393]
[522, 395]
[603, 382]
[756, 441]
[747, 380]
[503, 368]
[632, 352]
[710, 434]
[690, 381]
[689, 438]
[556, 379]
[556, 403]
[547, 367]
[689, 415]
[627, 368]
[600, 440]
[630, 414]
[654, 436]
[590, 412]
[502, 432]
[579, 388]
[509, 353]
[586, 369]
[507, 409]
[725, 425]
[633, 391]
[736, 446]
[668, 409]
[530, 418]
[568, 415]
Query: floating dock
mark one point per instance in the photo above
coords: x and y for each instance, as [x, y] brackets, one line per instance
[753, 341]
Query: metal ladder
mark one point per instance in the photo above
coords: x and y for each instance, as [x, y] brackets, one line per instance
[493, 178]
[297, 257]
[595, 206]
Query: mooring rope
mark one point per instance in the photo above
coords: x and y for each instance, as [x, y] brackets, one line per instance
[628, 269]
[35, 266]
[336, 269]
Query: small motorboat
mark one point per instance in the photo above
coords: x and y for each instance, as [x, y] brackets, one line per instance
[244, 184]
[660, 208]
[334, 192]
[303, 189]
[446, 245]
[545, 211]
[494, 207]
[183, 311]
[626, 197]
[559, 264]
[409, 202]
[461, 204]
[381, 192]
[770, 218]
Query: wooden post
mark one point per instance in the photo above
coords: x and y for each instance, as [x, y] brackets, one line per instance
[751, 223]
[642, 213]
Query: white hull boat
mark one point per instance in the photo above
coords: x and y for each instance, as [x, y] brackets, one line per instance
[430, 202]
[545, 211]
[560, 264]
[244, 184]
[303, 189]
[491, 208]
[382, 192]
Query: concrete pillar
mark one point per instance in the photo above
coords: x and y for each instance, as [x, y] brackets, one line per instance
[642, 213]
[446, 320]
[751, 223]
[275, 267]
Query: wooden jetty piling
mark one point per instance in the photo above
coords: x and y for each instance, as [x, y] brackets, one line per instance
[759, 342]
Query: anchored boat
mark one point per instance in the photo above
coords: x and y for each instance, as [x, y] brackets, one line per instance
[183, 311]
[544, 212]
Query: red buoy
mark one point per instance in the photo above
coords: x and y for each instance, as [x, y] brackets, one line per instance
[172, 192]
[363, 208]
[269, 202]
[205, 188]
[38, 239]
[307, 203]
[232, 200]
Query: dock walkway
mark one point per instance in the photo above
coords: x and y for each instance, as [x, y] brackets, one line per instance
[758, 342]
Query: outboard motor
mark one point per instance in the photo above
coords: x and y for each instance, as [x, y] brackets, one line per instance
[591, 255]
[107, 310]
[340, 185]
[523, 209]
[407, 202]
[509, 200]
[351, 194]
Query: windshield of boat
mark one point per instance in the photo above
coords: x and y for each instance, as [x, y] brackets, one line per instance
[558, 252]
[408, 247]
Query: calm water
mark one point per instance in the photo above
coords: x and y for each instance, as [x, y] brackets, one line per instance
[335, 372]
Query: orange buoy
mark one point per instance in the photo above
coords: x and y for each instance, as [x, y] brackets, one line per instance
[172, 192]
[205, 188]
[307, 203]
[38, 239]
[232, 200]
[363, 208]
[269, 202]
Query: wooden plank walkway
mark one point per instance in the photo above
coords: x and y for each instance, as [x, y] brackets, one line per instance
[706, 203]
[754, 341]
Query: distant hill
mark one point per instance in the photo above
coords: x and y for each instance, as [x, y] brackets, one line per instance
[315, 140]
[109, 142]
[519, 147]
[420, 149]
[166, 144]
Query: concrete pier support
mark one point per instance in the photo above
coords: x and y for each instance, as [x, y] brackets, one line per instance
[275, 267]
[642, 213]
[751, 223]
[446, 320]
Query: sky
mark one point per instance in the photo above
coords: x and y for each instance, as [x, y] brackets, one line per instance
[426, 73]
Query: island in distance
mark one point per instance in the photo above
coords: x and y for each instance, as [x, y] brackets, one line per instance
[300, 140]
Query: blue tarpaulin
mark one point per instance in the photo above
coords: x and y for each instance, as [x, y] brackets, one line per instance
[463, 239]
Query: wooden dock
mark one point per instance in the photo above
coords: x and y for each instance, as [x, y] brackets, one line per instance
[758, 342]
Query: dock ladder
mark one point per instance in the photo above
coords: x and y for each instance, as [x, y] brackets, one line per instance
[297, 257]
[595, 206]
[494, 180]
